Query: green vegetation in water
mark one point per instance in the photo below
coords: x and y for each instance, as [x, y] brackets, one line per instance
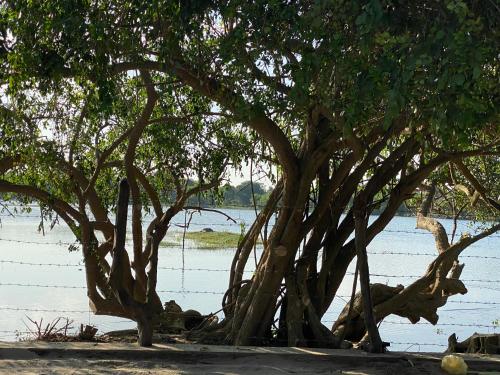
[214, 240]
[205, 240]
[167, 243]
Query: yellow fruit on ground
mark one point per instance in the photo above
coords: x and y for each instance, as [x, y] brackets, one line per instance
[454, 365]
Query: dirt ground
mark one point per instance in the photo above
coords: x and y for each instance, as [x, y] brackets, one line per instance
[88, 358]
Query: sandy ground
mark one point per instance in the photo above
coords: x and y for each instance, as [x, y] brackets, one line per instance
[88, 358]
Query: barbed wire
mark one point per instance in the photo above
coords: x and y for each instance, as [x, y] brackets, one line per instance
[196, 292]
[265, 338]
[44, 286]
[443, 324]
[5, 261]
[475, 302]
[8, 261]
[246, 223]
[223, 270]
[61, 243]
[30, 309]
[191, 292]
[43, 310]
[418, 344]
[430, 324]
[419, 276]
[84, 287]
[449, 301]
[17, 332]
[429, 254]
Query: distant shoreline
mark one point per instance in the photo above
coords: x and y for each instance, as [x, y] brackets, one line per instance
[4, 213]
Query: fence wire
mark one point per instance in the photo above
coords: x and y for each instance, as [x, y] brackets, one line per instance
[200, 292]
[16, 333]
[7, 261]
[62, 243]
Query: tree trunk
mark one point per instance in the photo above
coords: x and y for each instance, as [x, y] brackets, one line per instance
[145, 331]
[361, 223]
[254, 312]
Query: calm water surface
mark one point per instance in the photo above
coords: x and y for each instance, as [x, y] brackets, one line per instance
[196, 278]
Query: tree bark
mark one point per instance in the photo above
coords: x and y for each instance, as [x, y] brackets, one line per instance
[145, 329]
[361, 222]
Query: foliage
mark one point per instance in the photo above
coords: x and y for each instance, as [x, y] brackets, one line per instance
[214, 240]
[354, 106]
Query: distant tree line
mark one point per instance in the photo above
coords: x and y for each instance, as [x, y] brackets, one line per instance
[245, 194]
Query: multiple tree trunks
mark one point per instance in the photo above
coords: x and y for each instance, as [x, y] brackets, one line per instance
[121, 281]
[307, 292]
[340, 115]
[129, 296]
[422, 298]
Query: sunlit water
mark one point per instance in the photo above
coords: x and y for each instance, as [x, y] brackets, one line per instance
[196, 279]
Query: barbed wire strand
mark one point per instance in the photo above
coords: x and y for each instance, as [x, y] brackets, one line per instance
[242, 222]
[61, 243]
[17, 333]
[4, 261]
[28, 309]
[196, 292]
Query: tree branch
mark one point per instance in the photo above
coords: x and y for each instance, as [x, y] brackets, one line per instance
[249, 114]
[430, 224]
[476, 184]
[61, 207]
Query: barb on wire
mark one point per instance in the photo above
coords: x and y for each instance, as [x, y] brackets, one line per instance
[190, 292]
[417, 276]
[59, 243]
[449, 301]
[6, 308]
[442, 324]
[417, 343]
[429, 254]
[430, 324]
[84, 287]
[8, 261]
[44, 286]
[62, 243]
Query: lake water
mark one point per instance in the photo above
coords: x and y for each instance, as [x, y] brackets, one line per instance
[196, 279]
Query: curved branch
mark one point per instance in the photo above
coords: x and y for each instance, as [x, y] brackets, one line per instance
[150, 191]
[430, 224]
[249, 114]
[61, 207]
[198, 208]
[134, 138]
[102, 159]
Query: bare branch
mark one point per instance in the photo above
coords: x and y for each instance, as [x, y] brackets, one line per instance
[197, 208]
[430, 224]
[134, 138]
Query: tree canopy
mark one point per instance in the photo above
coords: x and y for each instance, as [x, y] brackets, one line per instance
[356, 104]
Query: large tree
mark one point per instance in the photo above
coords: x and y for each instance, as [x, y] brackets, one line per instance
[355, 102]
[59, 148]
